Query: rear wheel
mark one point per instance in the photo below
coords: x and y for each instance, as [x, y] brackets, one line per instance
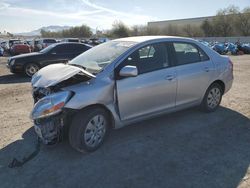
[30, 69]
[212, 98]
[89, 129]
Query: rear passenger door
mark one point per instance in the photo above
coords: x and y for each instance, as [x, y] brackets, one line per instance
[194, 72]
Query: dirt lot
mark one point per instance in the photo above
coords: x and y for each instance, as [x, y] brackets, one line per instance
[184, 149]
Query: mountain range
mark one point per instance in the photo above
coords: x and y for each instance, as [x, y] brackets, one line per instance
[37, 32]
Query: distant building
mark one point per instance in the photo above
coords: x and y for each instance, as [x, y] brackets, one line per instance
[179, 22]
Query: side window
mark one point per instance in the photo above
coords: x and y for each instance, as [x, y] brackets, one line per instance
[203, 56]
[149, 58]
[49, 41]
[187, 53]
[60, 49]
[80, 48]
[72, 48]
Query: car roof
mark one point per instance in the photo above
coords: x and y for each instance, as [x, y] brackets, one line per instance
[67, 43]
[11, 40]
[48, 39]
[70, 39]
[148, 38]
[77, 43]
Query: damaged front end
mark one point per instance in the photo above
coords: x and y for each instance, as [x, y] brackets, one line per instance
[49, 115]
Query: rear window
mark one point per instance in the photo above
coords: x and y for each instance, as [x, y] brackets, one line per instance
[187, 53]
[49, 41]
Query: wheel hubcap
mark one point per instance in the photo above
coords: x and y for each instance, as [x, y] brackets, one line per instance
[213, 97]
[31, 69]
[95, 131]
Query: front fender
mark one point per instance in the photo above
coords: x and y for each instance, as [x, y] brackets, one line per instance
[90, 93]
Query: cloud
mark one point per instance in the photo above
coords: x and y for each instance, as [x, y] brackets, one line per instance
[3, 5]
[85, 12]
[118, 13]
[128, 18]
[87, 2]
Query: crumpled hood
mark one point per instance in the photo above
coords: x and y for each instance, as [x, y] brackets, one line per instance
[56, 73]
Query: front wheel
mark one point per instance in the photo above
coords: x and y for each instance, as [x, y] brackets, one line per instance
[30, 69]
[89, 129]
[212, 98]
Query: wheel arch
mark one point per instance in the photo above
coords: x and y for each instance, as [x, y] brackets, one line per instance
[28, 63]
[221, 83]
[31, 62]
[111, 117]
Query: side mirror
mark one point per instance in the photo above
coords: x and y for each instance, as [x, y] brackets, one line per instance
[128, 71]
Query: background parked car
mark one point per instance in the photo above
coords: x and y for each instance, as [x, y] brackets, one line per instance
[56, 53]
[244, 48]
[43, 43]
[19, 48]
[1, 51]
[30, 43]
[94, 41]
[70, 40]
[4, 45]
[12, 41]
[35, 45]
[232, 48]
[220, 48]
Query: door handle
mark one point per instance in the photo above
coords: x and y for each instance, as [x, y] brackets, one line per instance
[206, 69]
[169, 77]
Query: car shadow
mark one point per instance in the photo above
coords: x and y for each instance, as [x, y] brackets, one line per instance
[14, 78]
[184, 149]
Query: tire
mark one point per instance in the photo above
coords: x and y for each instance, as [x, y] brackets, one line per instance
[30, 69]
[84, 133]
[212, 98]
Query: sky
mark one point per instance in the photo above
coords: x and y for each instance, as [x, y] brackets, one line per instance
[26, 15]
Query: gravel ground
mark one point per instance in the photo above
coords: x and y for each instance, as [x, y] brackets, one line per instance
[183, 149]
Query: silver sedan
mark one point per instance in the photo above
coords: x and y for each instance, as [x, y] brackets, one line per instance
[124, 81]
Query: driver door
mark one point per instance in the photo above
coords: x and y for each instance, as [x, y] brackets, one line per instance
[153, 89]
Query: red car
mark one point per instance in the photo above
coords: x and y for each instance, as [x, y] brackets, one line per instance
[17, 49]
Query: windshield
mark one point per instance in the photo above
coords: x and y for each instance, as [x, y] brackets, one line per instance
[47, 49]
[97, 58]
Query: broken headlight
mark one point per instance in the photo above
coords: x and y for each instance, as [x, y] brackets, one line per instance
[50, 105]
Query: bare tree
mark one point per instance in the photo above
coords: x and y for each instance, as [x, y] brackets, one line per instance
[223, 21]
[207, 28]
[172, 30]
[119, 29]
[153, 31]
[242, 22]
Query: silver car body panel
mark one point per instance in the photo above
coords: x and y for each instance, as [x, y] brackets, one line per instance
[193, 81]
[150, 94]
